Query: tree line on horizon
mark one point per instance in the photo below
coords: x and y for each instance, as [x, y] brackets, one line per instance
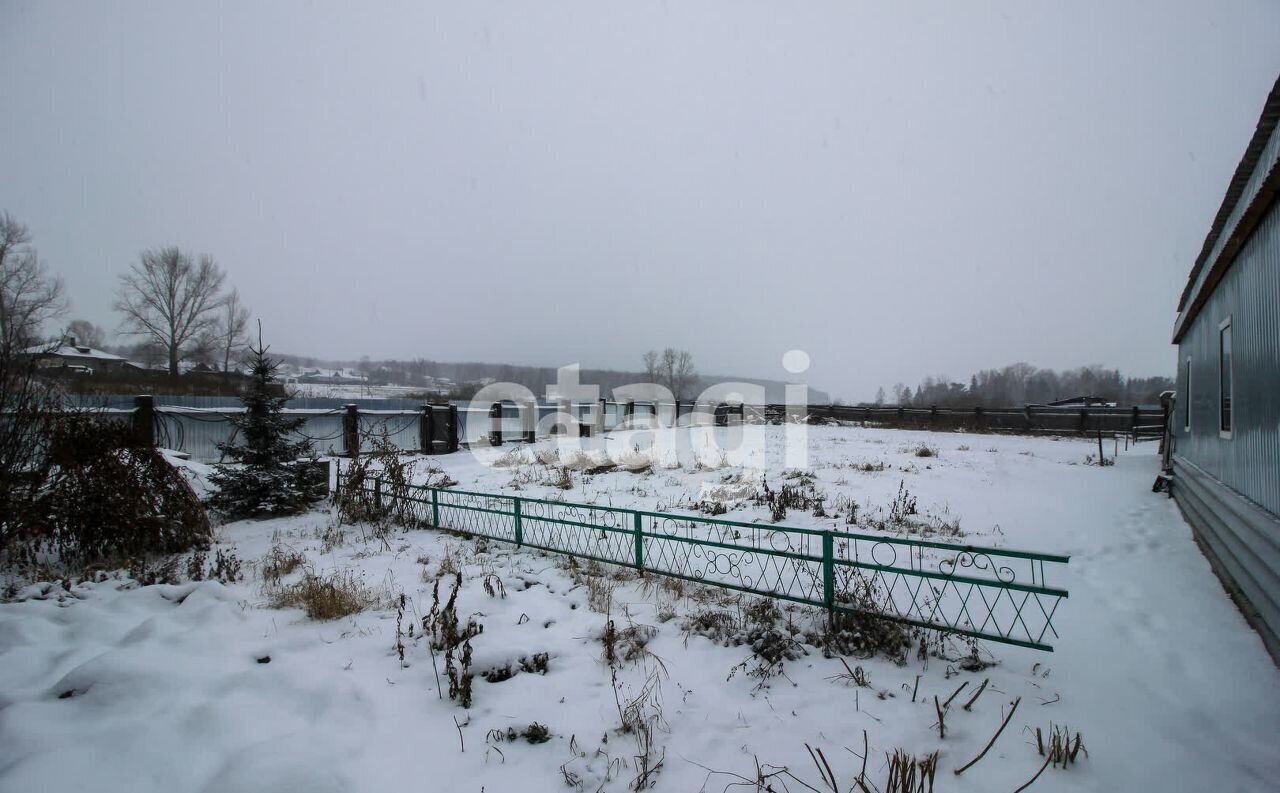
[1023, 384]
[677, 373]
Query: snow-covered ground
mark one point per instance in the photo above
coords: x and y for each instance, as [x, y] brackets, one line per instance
[169, 687]
[354, 390]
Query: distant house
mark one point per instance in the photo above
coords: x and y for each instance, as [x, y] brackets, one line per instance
[78, 358]
[1083, 402]
[1225, 455]
[333, 377]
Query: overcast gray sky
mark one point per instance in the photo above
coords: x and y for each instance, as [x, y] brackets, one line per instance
[899, 189]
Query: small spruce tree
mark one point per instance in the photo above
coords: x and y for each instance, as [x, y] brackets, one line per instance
[264, 477]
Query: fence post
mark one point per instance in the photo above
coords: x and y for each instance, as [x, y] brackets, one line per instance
[565, 423]
[1084, 420]
[453, 428]
[427, 431]
[1133, 421]
[638, 526]
[351, 430]
[144, 419]
[377, 495]
[977, 418]
[630, 415]
[599, 430]
[933, 416]
[829, 578]
[495, 424]
[529, 421]
[519, 523]
[435, 508]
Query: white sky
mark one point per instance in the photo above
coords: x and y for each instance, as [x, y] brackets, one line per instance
[899, 189]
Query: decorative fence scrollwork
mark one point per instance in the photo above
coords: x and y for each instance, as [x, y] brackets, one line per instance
[988, 593]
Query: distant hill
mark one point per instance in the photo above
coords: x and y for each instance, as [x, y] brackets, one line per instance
[461, 379]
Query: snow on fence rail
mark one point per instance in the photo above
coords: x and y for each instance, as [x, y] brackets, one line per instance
[988, 593]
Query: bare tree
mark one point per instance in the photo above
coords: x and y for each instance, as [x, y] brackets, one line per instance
[682, 373]
[29, 298]
[652, 368]
[230, 335]
[171, 298]
[86, 333]
[880, 395]
[673, 369]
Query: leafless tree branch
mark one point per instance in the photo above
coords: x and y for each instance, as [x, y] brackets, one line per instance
[171, 298]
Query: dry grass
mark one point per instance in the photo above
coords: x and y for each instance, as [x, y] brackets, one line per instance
[330, 597]
[279, 562]
[512, 458]
[331, 536]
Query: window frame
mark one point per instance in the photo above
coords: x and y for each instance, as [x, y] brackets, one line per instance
[1226, 375]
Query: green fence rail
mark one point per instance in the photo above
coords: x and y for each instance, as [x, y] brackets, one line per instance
[990, 593]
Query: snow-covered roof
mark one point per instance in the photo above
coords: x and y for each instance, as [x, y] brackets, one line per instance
[74, 351]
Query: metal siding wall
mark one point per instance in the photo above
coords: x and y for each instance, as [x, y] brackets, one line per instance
[1248, 462]
[400, 430]
[199, 434]
[196, 434]
[325, 433]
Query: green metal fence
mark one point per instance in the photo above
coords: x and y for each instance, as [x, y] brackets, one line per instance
[989, 593]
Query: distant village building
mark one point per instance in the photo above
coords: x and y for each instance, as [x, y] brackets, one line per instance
[1083, 401]
[78, 358]
[333, 377]
[1225, 432]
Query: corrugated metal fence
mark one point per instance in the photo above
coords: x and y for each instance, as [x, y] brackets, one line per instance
[197, 425]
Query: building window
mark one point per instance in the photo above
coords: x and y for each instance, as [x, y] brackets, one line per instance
[1186, 397]
[1224, 378]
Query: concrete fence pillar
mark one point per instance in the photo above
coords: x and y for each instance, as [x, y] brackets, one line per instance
[565, 420]
[453, 428]
[351, 430]
[427, 430]
[495, 424]
[529, 421]
[144, 420]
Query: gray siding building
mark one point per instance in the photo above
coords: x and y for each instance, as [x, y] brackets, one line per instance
[1226, 421]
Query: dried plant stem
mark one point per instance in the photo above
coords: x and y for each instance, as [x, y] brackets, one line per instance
[969, 705]
[862, 775]
[947, 704]
[1034, 778]
[824, 768]
[991, 742]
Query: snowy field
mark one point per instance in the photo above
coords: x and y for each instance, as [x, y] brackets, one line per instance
[205, 687]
